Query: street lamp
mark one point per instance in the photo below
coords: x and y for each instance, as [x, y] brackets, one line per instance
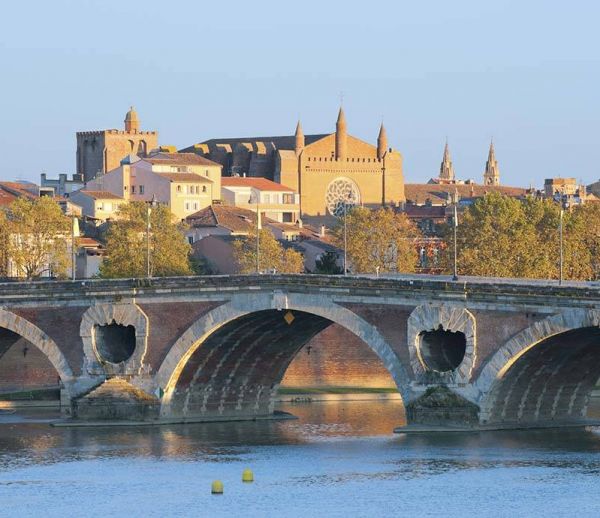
[73, 257]
[455, 276]
[256, 199]
[151, 204]
[563, 205]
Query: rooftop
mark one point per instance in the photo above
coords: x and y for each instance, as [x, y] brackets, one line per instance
[232, 218]
[262, 184]
[100, 195]
[10, 191]
[280, 142]
[185, 177]
[419, 193]
[180, 159]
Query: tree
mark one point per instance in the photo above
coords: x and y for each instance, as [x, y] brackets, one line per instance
[36, 236]
[378, 240]
[499, 236]
[326, 264]
[4, 244]
[272, 255]
[126, 244]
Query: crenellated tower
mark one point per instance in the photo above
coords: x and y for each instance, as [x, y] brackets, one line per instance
[491, 176]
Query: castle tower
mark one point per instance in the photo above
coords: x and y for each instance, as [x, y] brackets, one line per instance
[492, 172]
[382, 143]
[132, 123]
[299, 139]
[341, 136]
[446, 168]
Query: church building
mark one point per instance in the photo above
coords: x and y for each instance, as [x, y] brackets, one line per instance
[329, 171]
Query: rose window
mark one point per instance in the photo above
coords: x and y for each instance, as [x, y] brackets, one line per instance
[341, 192]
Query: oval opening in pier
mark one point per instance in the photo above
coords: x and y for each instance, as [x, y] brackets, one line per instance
[115, 343]
[442, 350]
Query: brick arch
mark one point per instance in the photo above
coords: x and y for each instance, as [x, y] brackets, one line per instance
[41, 340]
[545, 333]
[242, 305]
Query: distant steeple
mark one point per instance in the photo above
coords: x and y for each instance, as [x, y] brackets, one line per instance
[382, 143]
[340, 136]
[299, 138]
[132, 123]
[447, 169]
[491, 176]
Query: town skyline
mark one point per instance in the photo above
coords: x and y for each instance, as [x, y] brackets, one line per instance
[466, 73]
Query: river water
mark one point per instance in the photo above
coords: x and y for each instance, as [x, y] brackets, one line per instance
[337, 459]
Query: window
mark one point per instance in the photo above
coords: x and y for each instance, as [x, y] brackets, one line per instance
[191, 240]
[187, 206]
[133, 189]
[206, 173]
[179, 188]
[266, 198]
[141, 189]
[195, 205]
[125, 188]
[288, 198]
[204, 188]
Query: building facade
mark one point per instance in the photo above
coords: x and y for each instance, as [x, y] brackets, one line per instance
[326, 170]
[101, 151]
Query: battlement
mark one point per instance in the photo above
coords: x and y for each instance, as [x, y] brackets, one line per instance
[114, 132]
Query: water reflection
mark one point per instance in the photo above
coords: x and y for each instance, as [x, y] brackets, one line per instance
[312, 465]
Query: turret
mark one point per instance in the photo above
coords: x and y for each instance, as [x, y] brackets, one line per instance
[382, 144]
[299, 139]
[446, 168]
[132, 123]
[491, 176]
[341, 136]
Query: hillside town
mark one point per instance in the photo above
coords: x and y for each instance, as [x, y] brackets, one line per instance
[300, 188]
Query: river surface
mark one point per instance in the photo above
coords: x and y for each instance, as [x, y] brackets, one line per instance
[337, 459]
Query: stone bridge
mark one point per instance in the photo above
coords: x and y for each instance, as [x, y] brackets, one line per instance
[475, 352]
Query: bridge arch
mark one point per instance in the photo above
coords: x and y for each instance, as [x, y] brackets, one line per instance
[35, 336]
[543, 374]
[255, 323]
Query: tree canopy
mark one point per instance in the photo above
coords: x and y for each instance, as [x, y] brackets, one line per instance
[499, 236]
[272, 255]
[34, 235]
[378, 240]
[126, 244]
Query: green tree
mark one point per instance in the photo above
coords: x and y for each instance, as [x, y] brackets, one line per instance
[272, 255]
[4, 244]
[326, 264]
[36, 235]
[126, 244]
[380, 240]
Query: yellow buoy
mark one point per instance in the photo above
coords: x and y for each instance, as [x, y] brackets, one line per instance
[247, 476]
[217, 487]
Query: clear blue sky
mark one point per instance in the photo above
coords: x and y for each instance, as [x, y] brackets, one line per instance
[525, 72]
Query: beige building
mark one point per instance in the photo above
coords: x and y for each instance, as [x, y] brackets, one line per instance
[327, 170]
[185, 182]
[275, 201]
[101, 151]
[97, 204]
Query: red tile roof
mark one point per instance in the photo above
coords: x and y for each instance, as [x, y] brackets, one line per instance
[231, 218]
[180, 159]
[10, 191]
[262, 184]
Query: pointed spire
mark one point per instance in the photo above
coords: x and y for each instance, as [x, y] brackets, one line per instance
[299, 138]
[491, 176]
[382, 143]
[446, 168]
[340, 136]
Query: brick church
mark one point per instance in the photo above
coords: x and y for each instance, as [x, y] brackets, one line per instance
[327, 170]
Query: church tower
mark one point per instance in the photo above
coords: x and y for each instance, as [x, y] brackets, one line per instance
[447, 169]
[382, 143]
[299, 135]
[492, 172]
[341, 136]
[132, 123]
